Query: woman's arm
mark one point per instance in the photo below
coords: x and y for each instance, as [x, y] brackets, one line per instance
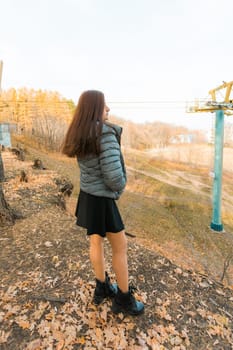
[111, 163]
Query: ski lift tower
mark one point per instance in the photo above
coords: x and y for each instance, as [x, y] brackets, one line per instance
[220, 108]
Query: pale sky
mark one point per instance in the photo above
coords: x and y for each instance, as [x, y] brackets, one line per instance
[164, 51]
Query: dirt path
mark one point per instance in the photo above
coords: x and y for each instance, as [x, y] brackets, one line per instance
[176, 178]
[194, 183]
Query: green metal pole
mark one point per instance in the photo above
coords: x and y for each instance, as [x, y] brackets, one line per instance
[216, 223]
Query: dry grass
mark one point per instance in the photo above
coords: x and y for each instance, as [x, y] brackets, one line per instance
[191, 154]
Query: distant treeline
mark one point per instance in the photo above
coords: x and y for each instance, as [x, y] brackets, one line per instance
[43, 116]
[37, 114]
[156, 134]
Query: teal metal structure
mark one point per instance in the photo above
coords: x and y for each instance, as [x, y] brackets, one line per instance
[216, 223]
[218, 107]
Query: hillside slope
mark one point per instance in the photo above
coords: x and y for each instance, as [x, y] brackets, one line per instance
[47, 285]
[167, 205]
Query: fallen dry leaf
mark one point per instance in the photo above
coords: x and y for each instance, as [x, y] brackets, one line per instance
[34, 345]
[4, 336]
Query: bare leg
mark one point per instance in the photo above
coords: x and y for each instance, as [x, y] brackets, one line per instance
[118, 243]
[97, 256]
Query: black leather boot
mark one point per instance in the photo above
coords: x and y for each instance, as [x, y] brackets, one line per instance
[126, 303]
[104, 290]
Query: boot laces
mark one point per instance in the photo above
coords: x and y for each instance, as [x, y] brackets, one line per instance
[132, 289]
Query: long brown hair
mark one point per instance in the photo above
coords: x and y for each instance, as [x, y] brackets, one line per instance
[83, 135]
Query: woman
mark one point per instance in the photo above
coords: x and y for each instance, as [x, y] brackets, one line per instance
[96, 144]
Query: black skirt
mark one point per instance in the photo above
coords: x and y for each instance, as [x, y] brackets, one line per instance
[98, 214]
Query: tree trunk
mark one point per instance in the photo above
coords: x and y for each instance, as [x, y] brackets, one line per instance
[6, 214]
[2, 177]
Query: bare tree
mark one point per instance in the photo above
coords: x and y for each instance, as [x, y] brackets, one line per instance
[228, 133]
[226, 265]
[2, 177]
[6, 214]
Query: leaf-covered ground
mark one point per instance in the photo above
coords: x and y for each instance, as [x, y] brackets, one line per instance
[47, 284]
